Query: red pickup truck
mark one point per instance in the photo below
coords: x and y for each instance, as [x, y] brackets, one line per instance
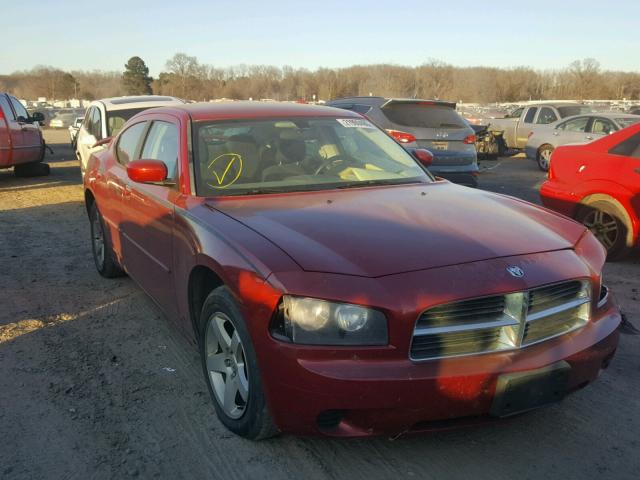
[21, 142]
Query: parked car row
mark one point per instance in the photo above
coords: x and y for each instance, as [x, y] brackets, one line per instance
[333, 285]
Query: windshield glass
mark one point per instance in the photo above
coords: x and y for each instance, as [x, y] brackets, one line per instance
[627, 121]
[571, 110]
[265, 156]
[117, 118]
[423, 115]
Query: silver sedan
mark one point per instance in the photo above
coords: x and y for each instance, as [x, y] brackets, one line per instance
[574, 130]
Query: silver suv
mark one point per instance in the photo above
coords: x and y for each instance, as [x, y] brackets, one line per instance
[429, 124]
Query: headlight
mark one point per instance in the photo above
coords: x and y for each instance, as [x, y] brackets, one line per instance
[311, 321]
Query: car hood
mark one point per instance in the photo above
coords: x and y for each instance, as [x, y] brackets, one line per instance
[380, 231]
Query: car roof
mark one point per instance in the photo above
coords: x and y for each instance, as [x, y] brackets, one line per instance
[141, 101]
[247, 109]
[611, 115]
[381, 101]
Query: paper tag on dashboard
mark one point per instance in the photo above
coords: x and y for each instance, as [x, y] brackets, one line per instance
[355, 123]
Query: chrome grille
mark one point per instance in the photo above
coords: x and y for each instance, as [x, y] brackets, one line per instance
[501, 322]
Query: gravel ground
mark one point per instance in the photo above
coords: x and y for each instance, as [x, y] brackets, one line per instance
[96, 383]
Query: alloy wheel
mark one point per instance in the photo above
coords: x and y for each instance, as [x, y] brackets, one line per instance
[226, 365]
[545, 159]
[604, 226]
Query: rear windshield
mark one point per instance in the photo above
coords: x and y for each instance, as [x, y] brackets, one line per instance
[571, 110]
[117, 118]
[425, 116]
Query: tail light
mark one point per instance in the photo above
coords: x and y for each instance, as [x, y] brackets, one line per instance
[1, 114]
[402, 137]
[469, 139]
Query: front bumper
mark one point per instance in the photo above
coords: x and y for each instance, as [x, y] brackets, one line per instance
[352, 397]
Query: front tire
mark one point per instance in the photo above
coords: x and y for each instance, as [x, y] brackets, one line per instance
[609, 225]
[103, 255]
[230, 368]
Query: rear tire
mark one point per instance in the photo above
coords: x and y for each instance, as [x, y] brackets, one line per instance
[544, 157]
[103, 255]
[230, 368]
[609, 225]
[31, 170]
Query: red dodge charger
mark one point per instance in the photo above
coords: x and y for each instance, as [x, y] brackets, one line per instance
[598, 184]
[332, 284]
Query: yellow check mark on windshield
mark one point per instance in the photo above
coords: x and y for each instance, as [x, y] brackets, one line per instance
[225, 179]
[220, 178]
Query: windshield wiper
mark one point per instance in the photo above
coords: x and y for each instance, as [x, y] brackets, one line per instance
[368, 183]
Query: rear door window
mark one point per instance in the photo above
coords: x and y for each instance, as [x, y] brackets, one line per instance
[6, 108]
[129, 143]
[423, 115]
[602, 126]
[531, 113]
[575, 125]
[546, 116]
[162, 144]
[628, 148]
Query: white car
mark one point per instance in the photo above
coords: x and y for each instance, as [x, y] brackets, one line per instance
[104, 118]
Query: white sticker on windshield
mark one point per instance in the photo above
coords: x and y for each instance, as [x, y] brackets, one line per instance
[355, 123]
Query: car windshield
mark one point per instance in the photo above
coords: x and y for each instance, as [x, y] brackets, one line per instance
[117, 118]
[571, 110]
[297, 154]
[627, 121]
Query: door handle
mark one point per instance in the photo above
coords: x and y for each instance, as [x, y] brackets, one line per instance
[637, 170]
[582, 168]
[556, 134]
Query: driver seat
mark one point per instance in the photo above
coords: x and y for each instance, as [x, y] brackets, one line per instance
[289, 155]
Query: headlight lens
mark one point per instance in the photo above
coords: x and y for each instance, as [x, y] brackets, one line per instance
[310, 321]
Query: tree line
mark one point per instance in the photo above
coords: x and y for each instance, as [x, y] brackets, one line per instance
[184, 76]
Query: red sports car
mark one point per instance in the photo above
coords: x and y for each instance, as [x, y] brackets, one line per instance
[598, 184]
[332, 284]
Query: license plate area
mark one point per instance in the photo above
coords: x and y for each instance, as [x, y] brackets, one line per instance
[440, 145]
[522, 391]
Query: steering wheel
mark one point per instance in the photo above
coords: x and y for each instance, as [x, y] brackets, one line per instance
[330, 164]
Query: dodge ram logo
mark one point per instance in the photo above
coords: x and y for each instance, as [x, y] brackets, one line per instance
[515, 271]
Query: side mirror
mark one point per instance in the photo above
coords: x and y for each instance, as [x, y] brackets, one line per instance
[424, 156]
[37, 117]
[147, 171]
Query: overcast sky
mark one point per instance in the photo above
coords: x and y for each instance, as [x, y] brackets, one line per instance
[103, 35]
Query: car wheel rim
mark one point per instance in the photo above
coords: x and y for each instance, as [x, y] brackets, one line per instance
[545, 157]
[603, 226]
[226, 365]
[98, 240]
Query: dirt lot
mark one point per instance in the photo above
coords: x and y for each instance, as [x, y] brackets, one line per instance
[96, 383]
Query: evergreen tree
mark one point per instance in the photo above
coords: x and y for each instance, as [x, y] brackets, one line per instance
[136, 79]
